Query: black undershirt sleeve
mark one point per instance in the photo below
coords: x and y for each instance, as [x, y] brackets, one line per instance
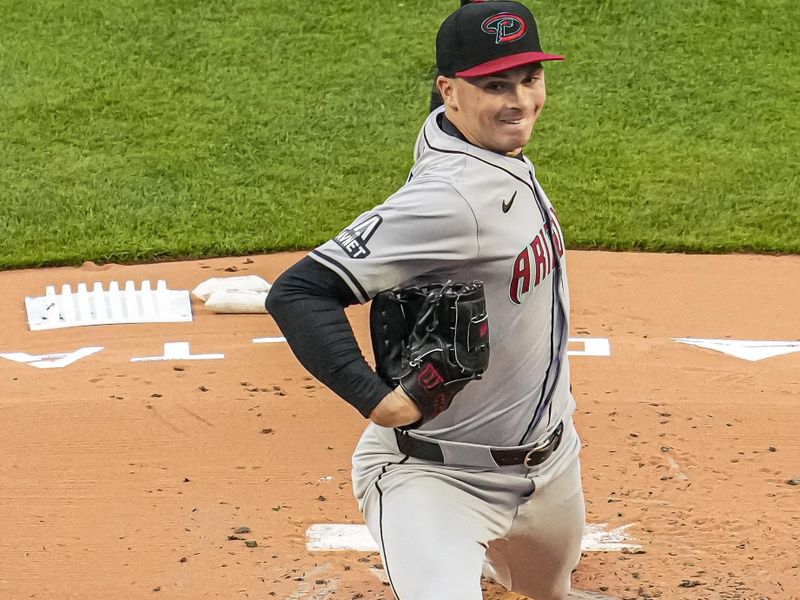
[307, 302]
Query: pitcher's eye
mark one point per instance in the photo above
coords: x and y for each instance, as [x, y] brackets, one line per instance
[494, 86]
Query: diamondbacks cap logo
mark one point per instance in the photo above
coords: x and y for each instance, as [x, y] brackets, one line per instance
[506, 27]
[353, 240]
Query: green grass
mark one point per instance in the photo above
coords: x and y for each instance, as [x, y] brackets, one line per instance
[675, 125]
[166, 129]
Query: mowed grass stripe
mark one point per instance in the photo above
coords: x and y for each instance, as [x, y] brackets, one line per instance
[147, 130]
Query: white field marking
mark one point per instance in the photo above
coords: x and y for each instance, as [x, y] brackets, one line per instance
[596, 538]
[327, 537]
[591, 347]
[269, 340]
[307, 579]
[752, 350]
[98, 307]
[178, 351]
[51, 361]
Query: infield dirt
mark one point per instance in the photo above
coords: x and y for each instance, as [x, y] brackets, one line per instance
[127, 480]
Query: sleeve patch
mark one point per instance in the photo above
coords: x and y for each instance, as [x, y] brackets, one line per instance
[353, 240]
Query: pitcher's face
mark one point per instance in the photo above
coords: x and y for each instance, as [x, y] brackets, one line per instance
[496, 112]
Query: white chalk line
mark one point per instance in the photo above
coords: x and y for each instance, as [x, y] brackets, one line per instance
[326, 537]
[751, 350]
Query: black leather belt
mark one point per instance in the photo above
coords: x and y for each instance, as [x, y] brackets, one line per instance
[530, 457]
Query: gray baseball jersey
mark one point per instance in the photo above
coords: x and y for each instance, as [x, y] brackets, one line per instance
[471, 214]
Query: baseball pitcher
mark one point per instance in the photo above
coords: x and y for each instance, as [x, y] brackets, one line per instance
[469, 464]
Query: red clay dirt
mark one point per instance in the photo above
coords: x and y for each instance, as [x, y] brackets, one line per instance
[125, 480]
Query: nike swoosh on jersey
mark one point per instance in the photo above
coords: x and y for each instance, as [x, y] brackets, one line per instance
[507, 205]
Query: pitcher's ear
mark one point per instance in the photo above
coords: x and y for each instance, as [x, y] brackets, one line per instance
[447, 90]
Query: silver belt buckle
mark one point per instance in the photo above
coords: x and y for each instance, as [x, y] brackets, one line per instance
[536, 449]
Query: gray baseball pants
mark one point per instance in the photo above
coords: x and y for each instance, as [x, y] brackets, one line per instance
[440, 527]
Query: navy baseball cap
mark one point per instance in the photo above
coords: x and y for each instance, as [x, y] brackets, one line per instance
[482, 38]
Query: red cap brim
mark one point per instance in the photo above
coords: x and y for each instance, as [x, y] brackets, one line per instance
[507, 62]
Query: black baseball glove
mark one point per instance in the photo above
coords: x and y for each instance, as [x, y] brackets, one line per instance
[432, 341]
